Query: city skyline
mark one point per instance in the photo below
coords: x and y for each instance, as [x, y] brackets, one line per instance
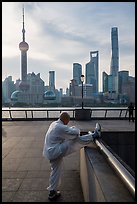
[58, 37]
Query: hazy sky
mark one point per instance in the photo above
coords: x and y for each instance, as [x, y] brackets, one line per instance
[62, 33]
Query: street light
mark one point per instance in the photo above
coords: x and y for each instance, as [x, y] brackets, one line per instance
[82, 80]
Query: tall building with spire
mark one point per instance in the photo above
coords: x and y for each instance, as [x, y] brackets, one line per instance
[23, 46]
[31, 86]
[114, 68]
[92, 70]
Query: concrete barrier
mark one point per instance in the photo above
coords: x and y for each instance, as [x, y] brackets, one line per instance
[82, 114]
[99, 181]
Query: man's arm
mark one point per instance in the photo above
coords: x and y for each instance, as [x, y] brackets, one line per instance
[69, 132]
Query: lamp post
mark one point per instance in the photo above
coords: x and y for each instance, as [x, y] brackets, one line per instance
[82, 114]
[82, 80]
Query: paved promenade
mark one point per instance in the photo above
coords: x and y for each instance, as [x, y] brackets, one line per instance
[25, 172]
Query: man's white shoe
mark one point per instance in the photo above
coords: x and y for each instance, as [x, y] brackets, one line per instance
[90, 133]
[98, 129]
[97, 133]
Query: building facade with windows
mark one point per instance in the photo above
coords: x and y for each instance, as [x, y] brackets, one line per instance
[77, 72]
[92, 71]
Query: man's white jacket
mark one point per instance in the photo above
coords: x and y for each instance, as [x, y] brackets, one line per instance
[55, 136]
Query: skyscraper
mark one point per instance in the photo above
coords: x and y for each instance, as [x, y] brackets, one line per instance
[92, 71]
[30, 88]
[77, 72]
[105, 82]
[114, 59]
[122, 79]
[23, 46]
[8, 87]
[52, 80]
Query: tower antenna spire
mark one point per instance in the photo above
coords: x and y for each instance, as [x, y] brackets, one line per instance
[23, 30]
[23, 46]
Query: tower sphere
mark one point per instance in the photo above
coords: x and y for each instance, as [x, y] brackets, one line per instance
[23, 46]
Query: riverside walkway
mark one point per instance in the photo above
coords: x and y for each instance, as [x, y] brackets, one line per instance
[25, 172]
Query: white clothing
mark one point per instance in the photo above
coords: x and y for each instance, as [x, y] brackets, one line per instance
[55, 136]
[61, 140]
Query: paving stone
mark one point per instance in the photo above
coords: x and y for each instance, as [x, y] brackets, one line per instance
[14, 174]
[34, 184]
[11, 184]
[11, 164]
[30, 164]
[7, 196]
[38, 174]
[31, 196]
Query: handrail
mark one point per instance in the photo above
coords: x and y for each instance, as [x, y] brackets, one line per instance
[124, 174]
[105, 110]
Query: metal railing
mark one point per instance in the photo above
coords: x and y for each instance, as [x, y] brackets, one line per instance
[127, 178]
[34, 113]
[53, 113]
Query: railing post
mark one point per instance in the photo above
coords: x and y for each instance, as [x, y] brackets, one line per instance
[105, 113]
[126, 113]
[10, 114]
[120, 113]
[90, 112]
[32, 113]
[26, 113]
[73, 113]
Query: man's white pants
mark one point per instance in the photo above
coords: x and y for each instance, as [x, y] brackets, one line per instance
[67, 147]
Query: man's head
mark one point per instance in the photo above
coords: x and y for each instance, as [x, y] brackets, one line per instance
[64, 117]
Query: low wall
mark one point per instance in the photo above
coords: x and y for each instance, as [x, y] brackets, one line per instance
[99, 181]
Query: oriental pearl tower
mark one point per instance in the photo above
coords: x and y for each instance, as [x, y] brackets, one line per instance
[23, 46]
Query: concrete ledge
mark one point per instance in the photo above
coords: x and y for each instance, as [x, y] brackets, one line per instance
[99, 181]
[82, 114]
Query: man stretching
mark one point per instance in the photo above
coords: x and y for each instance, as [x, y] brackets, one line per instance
[60, 141]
